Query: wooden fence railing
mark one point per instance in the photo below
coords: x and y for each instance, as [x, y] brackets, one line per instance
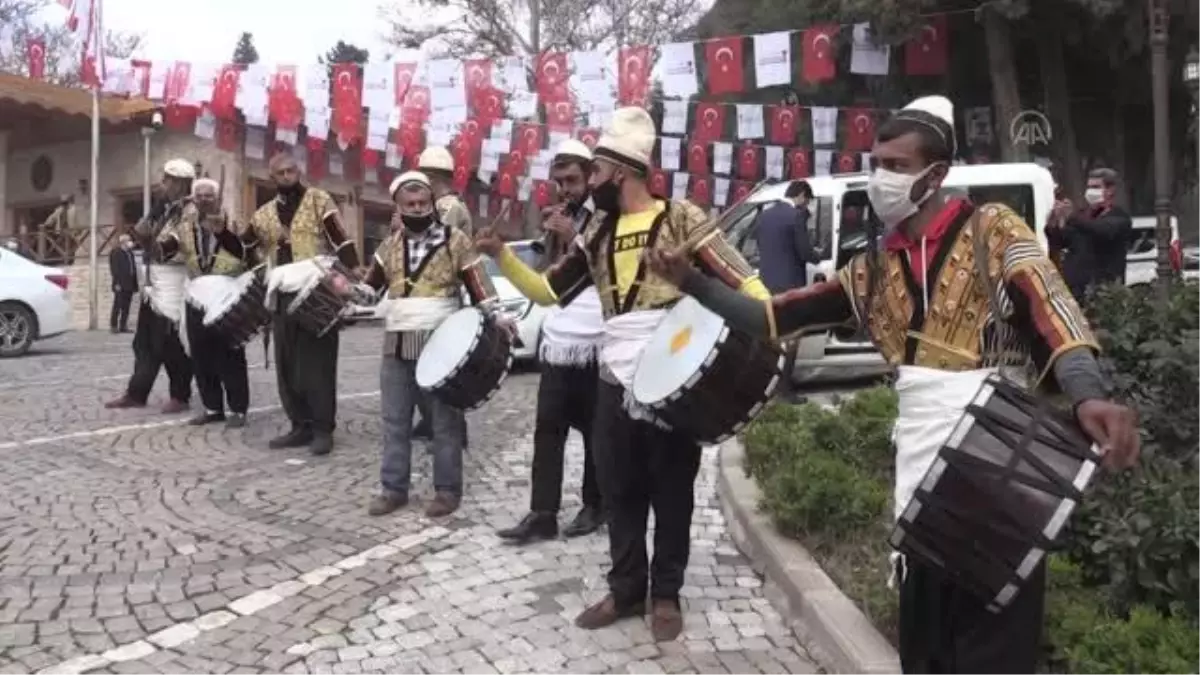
[66, 247]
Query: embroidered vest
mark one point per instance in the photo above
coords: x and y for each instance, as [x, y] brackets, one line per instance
[222, 262]
[436, 276]
[307, 230]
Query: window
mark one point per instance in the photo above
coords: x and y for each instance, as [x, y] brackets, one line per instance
[1017, 196]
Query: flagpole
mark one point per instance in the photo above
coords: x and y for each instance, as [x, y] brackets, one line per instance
[94, 209]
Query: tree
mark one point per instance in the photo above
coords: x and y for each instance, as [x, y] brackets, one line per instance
[493, 28]
[62, 47]
[344, 52]
[245, 53]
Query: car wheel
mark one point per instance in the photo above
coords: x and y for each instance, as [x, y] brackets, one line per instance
[16, 329]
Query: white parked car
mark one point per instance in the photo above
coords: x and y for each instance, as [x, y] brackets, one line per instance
[1142, 259]
[34, 304]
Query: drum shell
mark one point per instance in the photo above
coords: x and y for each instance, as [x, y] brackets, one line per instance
[245, 318]
[482, 370]
[732, 387]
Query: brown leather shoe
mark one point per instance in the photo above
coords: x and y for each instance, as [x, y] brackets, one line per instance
[606, 613]
[666, 621]
[124, 402]
[386, 502]
[174, 406]
[443, 504]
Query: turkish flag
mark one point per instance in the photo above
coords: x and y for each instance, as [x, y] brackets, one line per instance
[785, 121]
[488, 106]
[560, 116]
[411, 139]
[416, 106]
[471, 135]
[860, 129]
[528, 139]
[506, 181]
[702, 190]
[225, 92]
[180, 117]
[659, 183]
[477, 75]
[697, 157]
[819, 53]
[35, 54]
[798, 164]
[178, 80]
[405, 73]
[710, 122]
[589, 137]
[747, 161]
[318, 162]
[552, 74]
[633, 77]
[543, 193]
[462, 177]
[515, 163]
[847, 162]
[370, 159]
[741, 190]
[926, 53]
[347, 101]
[228, 137]
[283, 103]
[724, 57]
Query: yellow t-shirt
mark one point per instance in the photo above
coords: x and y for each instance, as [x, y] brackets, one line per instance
[632, 235]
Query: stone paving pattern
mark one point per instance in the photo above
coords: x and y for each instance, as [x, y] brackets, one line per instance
[132, 543]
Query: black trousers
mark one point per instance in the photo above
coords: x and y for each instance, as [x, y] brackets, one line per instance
[306, 373]
[566, 400]
[119, 320]
[156, 345]
[220, 368]
[945, 629]
[643, 466]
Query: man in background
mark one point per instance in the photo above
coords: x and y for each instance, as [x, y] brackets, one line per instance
[60, 226]
[784, 251]
[122, 265]
[1094, 239]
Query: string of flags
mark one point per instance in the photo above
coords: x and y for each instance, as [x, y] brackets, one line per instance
[502, 118]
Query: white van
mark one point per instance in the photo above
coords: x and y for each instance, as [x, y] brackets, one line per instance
[837, 231]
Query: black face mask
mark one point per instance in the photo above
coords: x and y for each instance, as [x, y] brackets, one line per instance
[417, 223]
[607, 196]
[291, 191]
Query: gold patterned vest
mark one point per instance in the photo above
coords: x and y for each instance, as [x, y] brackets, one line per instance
[186, 229]
[307, 230]
[437, 274]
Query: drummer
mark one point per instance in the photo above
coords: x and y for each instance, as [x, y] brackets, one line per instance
[928, 243]
[642, 464]
[302, 222]
[203, 241]
[423, 265]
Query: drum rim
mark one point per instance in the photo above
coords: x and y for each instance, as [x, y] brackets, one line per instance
[466, 357]
[705, 363]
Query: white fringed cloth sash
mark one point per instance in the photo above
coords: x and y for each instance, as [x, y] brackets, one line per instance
[408, 322]
[625, 338]
[166, 291]
[571, 335]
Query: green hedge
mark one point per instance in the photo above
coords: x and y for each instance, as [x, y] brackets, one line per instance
[1123, 592]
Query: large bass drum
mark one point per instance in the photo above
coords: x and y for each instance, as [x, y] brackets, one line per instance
[465, 359]
[999, 493]
[703, 377]
[239, 310]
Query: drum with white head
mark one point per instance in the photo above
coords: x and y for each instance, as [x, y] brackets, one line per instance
[165, 289]
[999, 493]
[465, 359]
[235, 307]
[315, 291]
[702, 376]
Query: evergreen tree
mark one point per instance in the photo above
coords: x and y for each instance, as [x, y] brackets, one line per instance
[245, 53]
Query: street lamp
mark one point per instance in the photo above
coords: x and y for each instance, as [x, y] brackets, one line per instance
[1159, 19]
[1191, 70]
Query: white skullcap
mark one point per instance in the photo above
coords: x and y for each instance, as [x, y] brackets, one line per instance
[628, 139]
[938, 106]
[180, 168]
[935, 112]
[436, 157]
[407, 178]
[573, 148]
[205, 183]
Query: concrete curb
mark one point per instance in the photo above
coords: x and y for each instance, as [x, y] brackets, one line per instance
[829, 625]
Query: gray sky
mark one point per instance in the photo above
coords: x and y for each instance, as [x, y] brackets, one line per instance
[285, 31]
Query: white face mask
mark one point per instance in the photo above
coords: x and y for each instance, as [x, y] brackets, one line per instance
[1093, 196]
[889, 194]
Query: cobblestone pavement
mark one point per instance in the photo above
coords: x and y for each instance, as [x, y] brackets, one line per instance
[130, 542]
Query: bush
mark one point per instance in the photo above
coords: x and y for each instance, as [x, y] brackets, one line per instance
[819, 493]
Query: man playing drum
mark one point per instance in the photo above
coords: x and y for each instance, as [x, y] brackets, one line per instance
[929, 311]
[642, 464]
[423, 266]
[196, 239]
[155, 340]
[567, 386]
[302, 222]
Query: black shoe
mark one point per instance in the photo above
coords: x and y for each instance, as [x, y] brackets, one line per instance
[386, 502]
[296, 438]
[236, 421]
[322, 444]
[423, 431]
[588, 520]
[533, 526]
[206, 418]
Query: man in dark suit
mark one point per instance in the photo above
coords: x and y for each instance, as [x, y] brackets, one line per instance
[123, 266]
[784, 250]
[1095, 239]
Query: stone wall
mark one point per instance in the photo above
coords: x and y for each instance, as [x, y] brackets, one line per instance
[77, 288]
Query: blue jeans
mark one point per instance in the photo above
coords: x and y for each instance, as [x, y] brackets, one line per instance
[398, 396]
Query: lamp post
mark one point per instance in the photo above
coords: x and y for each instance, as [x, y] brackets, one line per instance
[1191, 78]
[1162, 140]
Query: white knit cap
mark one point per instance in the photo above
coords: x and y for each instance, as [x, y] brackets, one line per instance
[573, 148]
[628, 139]
[205, 183]
[179, 168]
[406, 178]
[936, 112]
[436, 157]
